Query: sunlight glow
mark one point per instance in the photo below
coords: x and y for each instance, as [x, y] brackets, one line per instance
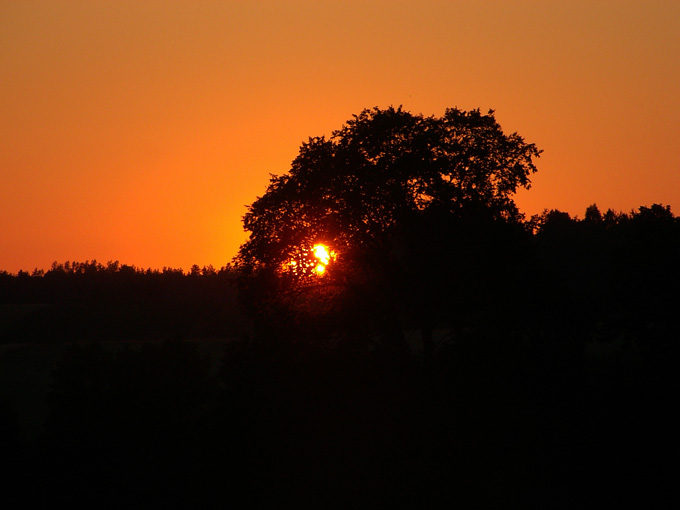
[322, 255]
[312, 261]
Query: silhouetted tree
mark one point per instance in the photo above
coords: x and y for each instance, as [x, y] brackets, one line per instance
[381, 166]
[370, 192]
[593, 214]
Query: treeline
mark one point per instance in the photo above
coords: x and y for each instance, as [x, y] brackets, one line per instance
[555, 279]
[74, 301]
[93, 266]
[612, 265]
[587, 272]
[624, 266]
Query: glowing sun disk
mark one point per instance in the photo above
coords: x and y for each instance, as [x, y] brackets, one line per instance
[321, 253]
[313, 260]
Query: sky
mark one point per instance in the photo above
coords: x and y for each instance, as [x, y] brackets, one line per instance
[139, 131]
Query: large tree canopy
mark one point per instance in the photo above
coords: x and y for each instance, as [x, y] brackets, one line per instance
[380, 168]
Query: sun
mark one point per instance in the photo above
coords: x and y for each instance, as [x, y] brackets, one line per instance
[311, 261]
[321, 253]
[323, 257]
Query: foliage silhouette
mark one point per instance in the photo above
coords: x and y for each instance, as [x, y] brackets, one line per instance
[389, 192]
[380, 168]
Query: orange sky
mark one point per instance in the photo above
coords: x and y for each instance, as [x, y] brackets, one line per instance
[138, 130]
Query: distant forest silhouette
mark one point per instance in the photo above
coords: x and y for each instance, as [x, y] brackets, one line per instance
[92, 301]
[455, 353]
[590, 270]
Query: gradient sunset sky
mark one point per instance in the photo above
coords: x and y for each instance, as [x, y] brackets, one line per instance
[139, 130]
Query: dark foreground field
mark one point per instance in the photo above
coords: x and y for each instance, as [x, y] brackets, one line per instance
[208, 423]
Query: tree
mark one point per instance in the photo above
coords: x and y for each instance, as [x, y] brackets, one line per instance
[368, 193]
[380, 168]
[593, 214]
